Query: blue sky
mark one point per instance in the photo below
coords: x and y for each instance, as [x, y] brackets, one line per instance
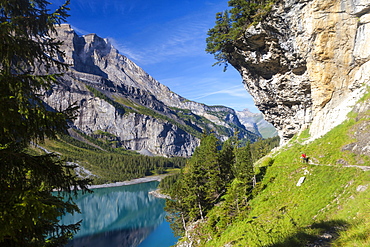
[167, 39]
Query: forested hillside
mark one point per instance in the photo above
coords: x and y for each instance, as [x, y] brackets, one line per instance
[281, 199]
[217, 172]
[99, 159]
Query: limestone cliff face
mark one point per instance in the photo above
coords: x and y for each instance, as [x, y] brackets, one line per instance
[307, 62]
[116, 97]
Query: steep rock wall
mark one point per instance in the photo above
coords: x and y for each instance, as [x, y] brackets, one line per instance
[93, 55]
[306, 63]
[116, 96]
[135, 131]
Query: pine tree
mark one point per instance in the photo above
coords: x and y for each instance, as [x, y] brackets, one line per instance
[220, 40]
[200, 181]
[243, 12]
[177, 208]
[243, 167]
[204, 180]
[230, 25]
[208, 158]
[227, 160]
[240, 189]
[212, 175]
[28, 210]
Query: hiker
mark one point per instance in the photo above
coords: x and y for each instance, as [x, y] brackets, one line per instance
[304, 158]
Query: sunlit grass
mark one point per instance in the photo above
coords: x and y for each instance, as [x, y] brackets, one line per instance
[332, 200]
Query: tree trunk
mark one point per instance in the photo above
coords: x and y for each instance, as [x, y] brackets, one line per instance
[200, 210]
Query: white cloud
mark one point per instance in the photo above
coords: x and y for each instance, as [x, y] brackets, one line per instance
[79, 31]
[181, 37]
[125, 50]
[235, 91]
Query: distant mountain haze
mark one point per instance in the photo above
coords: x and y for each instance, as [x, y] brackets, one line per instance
[255, 122]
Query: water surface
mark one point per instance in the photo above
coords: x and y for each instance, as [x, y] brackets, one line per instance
[121, 216]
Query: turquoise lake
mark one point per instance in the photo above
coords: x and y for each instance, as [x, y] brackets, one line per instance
[121, 216]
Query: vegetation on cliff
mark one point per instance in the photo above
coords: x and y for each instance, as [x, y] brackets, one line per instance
[29, 212]
[230, 25]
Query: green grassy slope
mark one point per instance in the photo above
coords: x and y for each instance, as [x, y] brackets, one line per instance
[330, 208]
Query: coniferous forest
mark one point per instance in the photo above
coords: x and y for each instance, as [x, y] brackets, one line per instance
[107, 164]
[217, 172]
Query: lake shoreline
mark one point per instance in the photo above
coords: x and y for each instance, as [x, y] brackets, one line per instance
[130, 182]
[157, 193]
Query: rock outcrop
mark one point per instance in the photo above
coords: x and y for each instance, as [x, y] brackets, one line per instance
[306, 63]
[118, 99]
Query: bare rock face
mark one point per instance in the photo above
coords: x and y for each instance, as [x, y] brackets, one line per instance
[116, 97]
[135, 131]
[307, 63]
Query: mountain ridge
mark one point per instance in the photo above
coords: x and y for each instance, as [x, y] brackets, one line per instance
[116, 96]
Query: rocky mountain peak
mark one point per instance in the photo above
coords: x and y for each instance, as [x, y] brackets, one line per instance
[120, 99]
